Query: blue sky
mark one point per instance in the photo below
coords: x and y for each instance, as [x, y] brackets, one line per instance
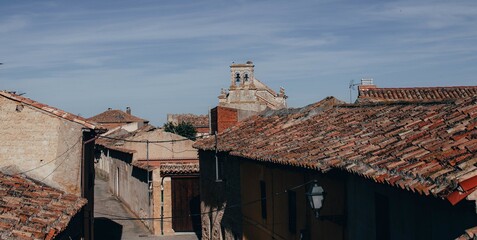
[162, 57]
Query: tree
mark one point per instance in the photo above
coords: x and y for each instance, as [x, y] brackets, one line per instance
[185, 129]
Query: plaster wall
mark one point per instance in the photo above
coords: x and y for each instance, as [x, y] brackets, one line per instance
[130, 185]
[40, 145]
[181, 149]
[102, 164]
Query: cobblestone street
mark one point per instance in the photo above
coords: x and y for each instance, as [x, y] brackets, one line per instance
[109, 218]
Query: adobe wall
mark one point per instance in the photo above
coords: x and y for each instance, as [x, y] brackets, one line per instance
[40, 145]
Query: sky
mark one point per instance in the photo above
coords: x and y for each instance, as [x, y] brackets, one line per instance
[161, 57]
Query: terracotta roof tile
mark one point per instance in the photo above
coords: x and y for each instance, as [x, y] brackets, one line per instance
[115, 116]
[415, 94]
[30, 210]
[179, 168]
[55, 111]
[421, 147]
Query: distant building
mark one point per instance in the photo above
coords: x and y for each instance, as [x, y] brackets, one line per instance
[112, 118]
[246, 97]
[200, 122]
[248, 94]
[51, 146]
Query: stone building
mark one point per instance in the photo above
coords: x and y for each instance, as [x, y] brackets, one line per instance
[249, 95]
[200, 122]
[51, 146]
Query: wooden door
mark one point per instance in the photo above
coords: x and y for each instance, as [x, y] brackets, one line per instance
[185, 204]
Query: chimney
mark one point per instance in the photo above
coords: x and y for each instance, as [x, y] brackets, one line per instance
[128, 110]
[366, 83]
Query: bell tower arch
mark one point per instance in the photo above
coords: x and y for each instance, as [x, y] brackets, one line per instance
[242, 75]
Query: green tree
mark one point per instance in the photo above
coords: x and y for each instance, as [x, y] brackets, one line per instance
[185, 129]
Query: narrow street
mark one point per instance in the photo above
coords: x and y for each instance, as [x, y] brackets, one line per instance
[109, 214]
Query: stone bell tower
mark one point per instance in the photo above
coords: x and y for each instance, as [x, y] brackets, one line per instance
[242, 76]
[246, 93]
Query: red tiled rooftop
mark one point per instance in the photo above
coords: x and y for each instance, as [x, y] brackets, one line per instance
[30, 210]
[373, 94]
[421, 147]
[51, 110]
[115, 116]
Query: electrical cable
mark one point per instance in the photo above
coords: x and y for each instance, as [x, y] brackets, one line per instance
[65, 152]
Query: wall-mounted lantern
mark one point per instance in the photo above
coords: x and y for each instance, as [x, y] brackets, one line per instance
[315, 196]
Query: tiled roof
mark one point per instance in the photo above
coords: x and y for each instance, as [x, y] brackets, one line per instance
[373, 94]
[115, 116]
[195, 120]
[55, 111]
[144, 165]
[179, 168]
[30, 210]
[427, 148]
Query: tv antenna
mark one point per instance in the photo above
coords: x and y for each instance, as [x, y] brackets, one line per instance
[351, 87]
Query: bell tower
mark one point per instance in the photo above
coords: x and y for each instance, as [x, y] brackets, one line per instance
[242, 75]
[248, 94]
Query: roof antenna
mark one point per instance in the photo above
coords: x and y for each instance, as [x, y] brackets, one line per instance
[351, 87]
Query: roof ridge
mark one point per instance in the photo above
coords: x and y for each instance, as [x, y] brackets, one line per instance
[49, 109]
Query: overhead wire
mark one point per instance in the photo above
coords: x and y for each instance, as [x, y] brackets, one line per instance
[50, 161]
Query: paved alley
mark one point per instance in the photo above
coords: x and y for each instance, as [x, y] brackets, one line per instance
[110, 215]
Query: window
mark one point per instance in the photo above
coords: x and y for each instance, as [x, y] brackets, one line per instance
[292, 211]
[246, 77]
[263, 199]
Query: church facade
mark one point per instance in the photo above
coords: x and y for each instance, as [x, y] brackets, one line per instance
[248, 94]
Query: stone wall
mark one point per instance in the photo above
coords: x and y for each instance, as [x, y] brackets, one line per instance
[42, 146]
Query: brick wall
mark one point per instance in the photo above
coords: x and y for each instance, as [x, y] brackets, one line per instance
[223, 118]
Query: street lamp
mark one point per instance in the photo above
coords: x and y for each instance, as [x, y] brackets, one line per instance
[315, 196]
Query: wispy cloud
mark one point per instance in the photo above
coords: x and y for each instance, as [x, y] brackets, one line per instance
[168, 56]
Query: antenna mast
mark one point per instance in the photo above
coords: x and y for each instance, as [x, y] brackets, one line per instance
[351, 87]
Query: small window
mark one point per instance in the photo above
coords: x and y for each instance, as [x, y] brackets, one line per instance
[263, 199]
[292, 211]
[246, 77]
